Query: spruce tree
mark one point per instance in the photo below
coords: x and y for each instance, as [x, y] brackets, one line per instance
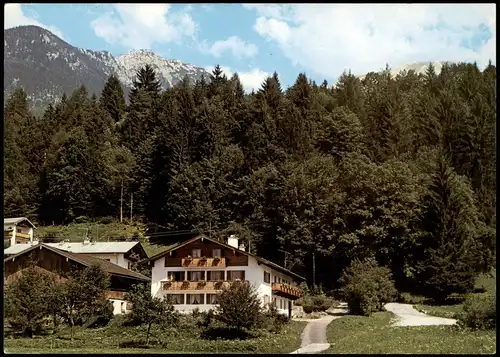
[450, 222]
[146, 79]
[112, 98]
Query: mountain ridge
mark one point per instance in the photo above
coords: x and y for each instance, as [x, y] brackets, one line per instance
[47, 66]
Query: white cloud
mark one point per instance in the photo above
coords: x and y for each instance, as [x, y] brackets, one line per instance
[14, 16]
[251, 80]
[234, 44]
[139, 26]
[329, 38]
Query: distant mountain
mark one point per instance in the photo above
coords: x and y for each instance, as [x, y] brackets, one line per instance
[45, 66]
[418, 67]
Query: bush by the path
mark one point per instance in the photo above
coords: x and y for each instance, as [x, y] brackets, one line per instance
[479, 312]
[367, 287]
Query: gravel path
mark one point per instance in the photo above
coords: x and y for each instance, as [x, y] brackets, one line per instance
[408, 316]
[314, 335]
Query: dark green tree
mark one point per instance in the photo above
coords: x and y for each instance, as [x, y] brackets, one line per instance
[26, 299]
[450, 253]
[112, 98]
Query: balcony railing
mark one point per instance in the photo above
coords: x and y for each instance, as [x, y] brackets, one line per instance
[204, 262]
[286, 290]
[195, 285]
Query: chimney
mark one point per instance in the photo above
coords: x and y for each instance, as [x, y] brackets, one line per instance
[233, 241]
[86, 241]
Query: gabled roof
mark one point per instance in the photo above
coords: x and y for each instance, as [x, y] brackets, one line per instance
[87, 261]
[81, 248]
[259, 259]
[17, 220]
[94, 247]
[17, 248]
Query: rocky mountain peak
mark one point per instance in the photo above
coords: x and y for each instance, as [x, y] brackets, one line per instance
[47, 66]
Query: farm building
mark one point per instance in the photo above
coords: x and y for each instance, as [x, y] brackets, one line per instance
[61, 263]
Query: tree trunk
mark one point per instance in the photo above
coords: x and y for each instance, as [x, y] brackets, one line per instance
[131, 205]
[314, 269]
[54, 320]
[72, 323]
[121, 205]
[147, 335]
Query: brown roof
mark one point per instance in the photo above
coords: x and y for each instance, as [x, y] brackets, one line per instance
[87, 261]
[259, 259]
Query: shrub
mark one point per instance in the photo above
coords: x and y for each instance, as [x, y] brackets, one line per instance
[107, 220]
[239, 306]
[316, 290]
[315, 303]
[367, 286]
[26, 298]
[275, 320]
[479, 312]
[118, 320]
[101, 316]
[82, 219]
[407, 298]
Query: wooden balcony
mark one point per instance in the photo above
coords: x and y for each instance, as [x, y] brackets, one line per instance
[19, 235]
[204, 263]
[204, 286]
[286, 290]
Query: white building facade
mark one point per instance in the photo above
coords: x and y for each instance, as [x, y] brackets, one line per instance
[202, 267]
[18, 230]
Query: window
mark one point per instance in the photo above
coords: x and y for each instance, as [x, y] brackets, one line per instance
[175, 276]
[177, 299]
[123, 307]
[196, 253]
[275, 279]
[216, 253]
[129, 265]
[195, 275]
[215, 275]
[195, 299]
[267, 277]
[212, 299]
[233, 275]
[281, 303]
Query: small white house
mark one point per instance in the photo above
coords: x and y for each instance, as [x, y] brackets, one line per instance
[193, 272]
[18, 230]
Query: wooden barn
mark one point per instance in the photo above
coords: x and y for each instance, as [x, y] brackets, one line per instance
[59, 262]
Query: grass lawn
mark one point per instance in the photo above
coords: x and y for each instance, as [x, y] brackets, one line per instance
[374, 335]
[447, 311]
[109, 340]
[26, 350]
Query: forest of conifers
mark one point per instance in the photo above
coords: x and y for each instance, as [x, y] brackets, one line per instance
[400, 168]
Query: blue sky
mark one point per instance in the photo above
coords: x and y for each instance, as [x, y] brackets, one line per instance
[321, 40]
